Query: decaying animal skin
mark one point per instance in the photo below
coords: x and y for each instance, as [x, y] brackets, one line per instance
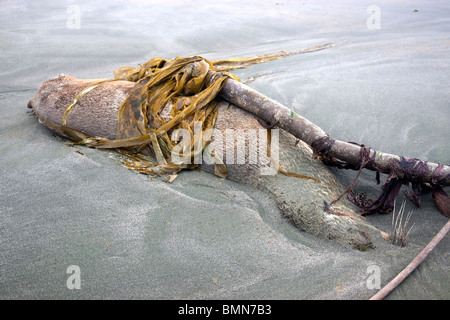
[301, 201]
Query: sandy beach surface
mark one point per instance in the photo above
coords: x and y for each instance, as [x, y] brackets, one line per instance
[384, 83]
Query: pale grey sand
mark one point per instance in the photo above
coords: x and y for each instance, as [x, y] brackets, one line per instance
[202, 237]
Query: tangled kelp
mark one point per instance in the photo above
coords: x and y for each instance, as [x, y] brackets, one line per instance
[141, 128]
[170, 95]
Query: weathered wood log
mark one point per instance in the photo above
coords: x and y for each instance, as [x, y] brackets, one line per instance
[273, 112]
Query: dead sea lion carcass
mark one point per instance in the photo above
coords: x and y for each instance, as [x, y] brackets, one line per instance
[299, 200]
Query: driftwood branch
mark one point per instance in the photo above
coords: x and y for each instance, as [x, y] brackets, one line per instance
[351, 156]
[413, 264]
[271, 111]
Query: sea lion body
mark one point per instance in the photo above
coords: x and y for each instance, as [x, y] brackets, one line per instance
[300, 200]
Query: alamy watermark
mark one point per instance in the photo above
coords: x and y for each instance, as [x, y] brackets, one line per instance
[74, 280]
[374, 279]
[228, 146]
[374, 20]
[73, 17]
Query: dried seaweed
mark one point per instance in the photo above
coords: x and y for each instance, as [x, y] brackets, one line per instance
[403, 171]
[185, 87]
[442, 201]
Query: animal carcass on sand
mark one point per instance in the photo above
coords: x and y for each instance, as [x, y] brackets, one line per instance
[299, 200]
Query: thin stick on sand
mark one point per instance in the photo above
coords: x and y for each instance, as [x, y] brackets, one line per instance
[413, 265]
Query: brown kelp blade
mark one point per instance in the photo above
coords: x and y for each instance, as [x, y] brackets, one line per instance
[239, 63]
[442, 201]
